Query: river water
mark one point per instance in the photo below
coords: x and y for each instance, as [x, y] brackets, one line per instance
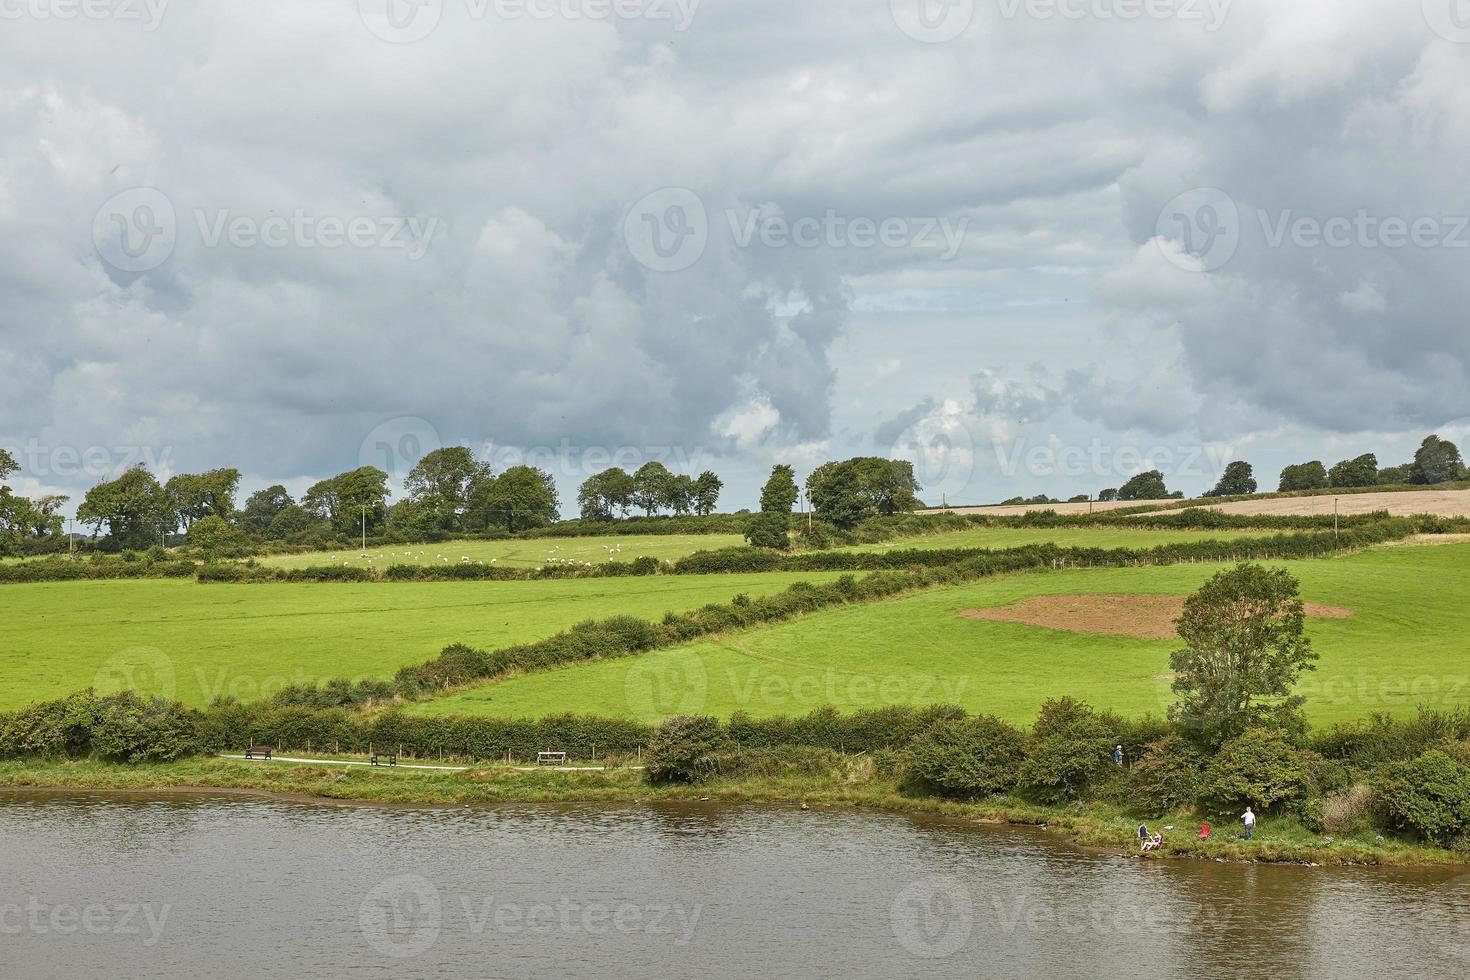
[205, 886]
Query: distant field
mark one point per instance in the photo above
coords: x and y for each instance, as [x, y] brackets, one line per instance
[1081, 537]
[1404, 643]
[518, 553]
[1443, 503]
[198, 641]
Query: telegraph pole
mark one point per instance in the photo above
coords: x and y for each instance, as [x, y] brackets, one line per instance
[364, 528]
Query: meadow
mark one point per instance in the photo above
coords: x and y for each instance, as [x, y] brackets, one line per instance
[1067, 537]
[516, 552]
[196, 642]
[1403, 645]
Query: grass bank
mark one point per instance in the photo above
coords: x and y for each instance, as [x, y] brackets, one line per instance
[850, 783]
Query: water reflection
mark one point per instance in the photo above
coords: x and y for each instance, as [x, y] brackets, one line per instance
[236, 887]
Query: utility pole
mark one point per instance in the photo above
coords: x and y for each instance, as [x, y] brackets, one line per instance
[1334, 520]
[364, 528]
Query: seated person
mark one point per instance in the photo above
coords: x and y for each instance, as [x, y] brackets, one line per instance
[1204, 831]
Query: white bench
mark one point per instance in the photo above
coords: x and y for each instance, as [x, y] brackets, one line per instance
[551, 758]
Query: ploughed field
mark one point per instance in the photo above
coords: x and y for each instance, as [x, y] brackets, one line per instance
[1389, 625]
[197, 642]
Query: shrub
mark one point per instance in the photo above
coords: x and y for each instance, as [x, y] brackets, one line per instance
[1346, 809]
[131, 729]
[50, 728]
[769, 530]
[1070, 748]
[685, 749]
[1167, 776]
[967, 757]
[1263, 769]
[1429, 796]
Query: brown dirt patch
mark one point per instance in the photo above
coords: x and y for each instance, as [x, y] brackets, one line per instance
[1148, 617]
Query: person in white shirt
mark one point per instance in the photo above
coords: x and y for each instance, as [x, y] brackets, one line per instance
[1250, 823]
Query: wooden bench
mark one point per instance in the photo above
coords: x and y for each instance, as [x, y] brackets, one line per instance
[551, 758]
[258, 752]
[383, 759]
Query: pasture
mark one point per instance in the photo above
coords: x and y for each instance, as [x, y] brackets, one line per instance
[516, 552]
[196, 642]
[1069, 537]
[1403, 644]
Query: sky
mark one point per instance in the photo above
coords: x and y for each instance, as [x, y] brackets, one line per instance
[1035, 246]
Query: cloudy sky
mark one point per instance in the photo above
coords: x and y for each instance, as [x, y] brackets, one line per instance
[1035, 245]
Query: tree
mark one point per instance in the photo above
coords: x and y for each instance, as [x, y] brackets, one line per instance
[779, 494]
[1144, 486]
[680, 494]
[8, 465]
[134, 507]
[852, 490]
[1359, 472]
[1394, 476]
[1437, 461]
[196, 495]
[967, 757]
[1303, 476]
[344, 498]
[889, 484]
[291, 521]
[442, 484]
[1108, 495]
[521, 497]
[769, 530]
[1238, 480]
[836, 494]
[605, 495]
[261, 508]
[707, 487]
[1244, 651]
[651, 487]
[215, 537]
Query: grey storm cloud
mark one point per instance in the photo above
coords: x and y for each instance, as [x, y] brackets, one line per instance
[514, 311]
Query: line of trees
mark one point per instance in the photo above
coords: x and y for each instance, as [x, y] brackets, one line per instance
[1435, 461]
[842, 493]
[652, 488]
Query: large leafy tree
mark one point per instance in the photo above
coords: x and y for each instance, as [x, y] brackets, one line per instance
[652, 487]
[1359, 472]
[1237, 481]
[606, 495]
[194, 496]
[1245, 648]
[1437, 461]
[347, 498]
[779, 494]
[261, 508]
[521, 497]
[1144, 486]
[443, 483]
[837, 495]
[849, 491]
[1303, 476]
[707, 487]
[134, 507]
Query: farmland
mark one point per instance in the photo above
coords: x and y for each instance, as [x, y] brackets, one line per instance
[1401, 645]
[516, 552]
[199, 641]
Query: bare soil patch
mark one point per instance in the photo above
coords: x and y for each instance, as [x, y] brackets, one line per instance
[1147, 617]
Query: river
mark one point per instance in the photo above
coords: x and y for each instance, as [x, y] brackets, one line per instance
[202, 885]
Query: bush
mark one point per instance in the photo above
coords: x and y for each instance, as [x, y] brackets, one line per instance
[685, 749]
[1167, 776]
[1070, 749]
[131, 729]
[1263, 769]
[1429, 796]
[967, 757]
[769, 530]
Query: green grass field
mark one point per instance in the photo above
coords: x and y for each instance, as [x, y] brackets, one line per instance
[517, 553]
[1080, 537]
[199, 641]
[1404, 645]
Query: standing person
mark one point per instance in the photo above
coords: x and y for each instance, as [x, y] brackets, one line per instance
[1250, 823]
[1118, 756]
